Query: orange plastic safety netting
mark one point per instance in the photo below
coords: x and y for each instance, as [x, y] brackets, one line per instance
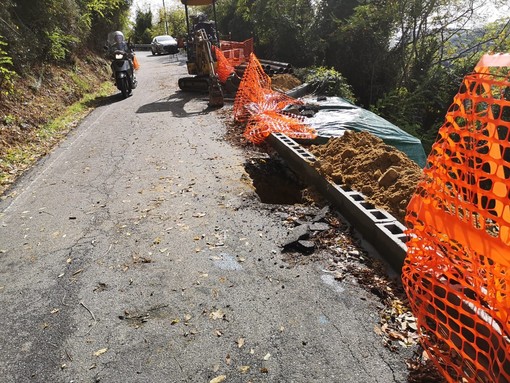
[457, 270]
[223, 67]
[237, 52]
[261, 108]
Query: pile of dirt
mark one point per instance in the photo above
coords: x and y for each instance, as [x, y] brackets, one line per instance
[284, 82]
[363, 162]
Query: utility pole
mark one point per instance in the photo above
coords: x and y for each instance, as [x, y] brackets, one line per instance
[164, 15]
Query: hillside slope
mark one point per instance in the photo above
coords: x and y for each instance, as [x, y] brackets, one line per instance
[27, 114]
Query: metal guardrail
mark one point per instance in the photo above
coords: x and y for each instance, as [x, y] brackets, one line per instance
[141, 47]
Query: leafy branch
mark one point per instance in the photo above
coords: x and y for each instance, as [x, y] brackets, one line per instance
[6, 73]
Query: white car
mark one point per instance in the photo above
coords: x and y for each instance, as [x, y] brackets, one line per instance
[164, 44]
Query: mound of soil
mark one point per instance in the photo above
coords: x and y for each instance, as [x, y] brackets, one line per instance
[284, 82]
[363, 162]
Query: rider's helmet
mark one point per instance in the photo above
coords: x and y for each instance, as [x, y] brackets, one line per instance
[116, 37]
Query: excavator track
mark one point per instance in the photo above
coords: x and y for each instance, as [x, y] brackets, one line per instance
[194, 84]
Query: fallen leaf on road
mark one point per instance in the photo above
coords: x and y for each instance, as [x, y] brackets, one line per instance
[100, 352]
[267, 356]
[244, 369]
[218, 314]
[240, 342]
[228, 360]
[396, 335]
[219, 379]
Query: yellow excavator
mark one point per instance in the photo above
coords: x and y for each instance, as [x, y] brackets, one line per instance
[201, 62]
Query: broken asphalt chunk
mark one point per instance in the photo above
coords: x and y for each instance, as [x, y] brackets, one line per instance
[297, 233]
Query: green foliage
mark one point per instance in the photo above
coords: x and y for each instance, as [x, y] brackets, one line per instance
[281, 28]
[234, 19]
[6, 72]
[60, 44]
[420, 108]
[328, 82]
[365, 60]
[329, 15]
[497, 36]
[403, 59]
[401, 107]
[141, 33]
[176, 20]
[81, 83]
[104, 16]
[51, 30]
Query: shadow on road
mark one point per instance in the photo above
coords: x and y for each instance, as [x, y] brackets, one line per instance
[104, 100]
[176, 104]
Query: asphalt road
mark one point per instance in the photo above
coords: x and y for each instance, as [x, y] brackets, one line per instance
[137, 252]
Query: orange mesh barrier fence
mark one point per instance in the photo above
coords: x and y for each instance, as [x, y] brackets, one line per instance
[237, 52]
[260, 126]
[457, 270]
[257, 105]
[223, 67]
[234, 56]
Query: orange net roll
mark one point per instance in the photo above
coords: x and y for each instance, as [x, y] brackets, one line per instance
[257, 105]
[457, 270]
[262, 125]
[255, 84]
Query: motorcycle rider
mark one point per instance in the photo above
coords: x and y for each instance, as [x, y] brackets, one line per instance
[115, 42]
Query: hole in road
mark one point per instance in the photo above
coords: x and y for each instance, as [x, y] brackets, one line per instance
[274, 182]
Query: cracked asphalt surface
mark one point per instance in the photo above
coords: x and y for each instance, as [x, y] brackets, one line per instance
[137, 252]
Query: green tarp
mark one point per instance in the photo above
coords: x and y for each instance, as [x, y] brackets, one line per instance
[336, 115]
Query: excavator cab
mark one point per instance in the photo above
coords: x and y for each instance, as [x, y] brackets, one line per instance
[201, 62]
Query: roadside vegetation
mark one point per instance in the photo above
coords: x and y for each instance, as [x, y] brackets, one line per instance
[34, 121]
[401, 59]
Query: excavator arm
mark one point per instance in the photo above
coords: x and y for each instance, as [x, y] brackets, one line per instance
[206, 62]
[200, 60]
